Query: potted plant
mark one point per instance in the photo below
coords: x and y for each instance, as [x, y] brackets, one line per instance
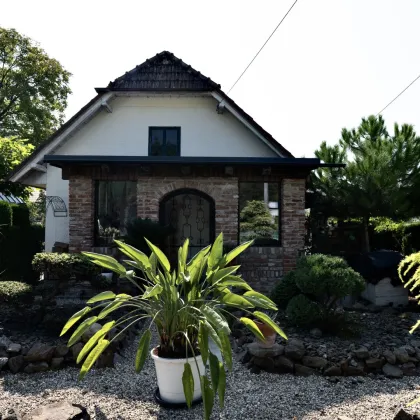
[188, 305]
[267, 331]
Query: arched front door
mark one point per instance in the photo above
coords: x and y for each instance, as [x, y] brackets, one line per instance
[191, 213]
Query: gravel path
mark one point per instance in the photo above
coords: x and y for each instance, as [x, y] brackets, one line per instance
[121, 394]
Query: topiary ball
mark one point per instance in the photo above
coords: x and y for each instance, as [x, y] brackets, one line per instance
[285, 290]
[302, 311]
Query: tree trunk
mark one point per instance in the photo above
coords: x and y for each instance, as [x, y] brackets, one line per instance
[366, 232]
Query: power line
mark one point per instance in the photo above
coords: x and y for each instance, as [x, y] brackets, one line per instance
[268, 39]
[382, 110]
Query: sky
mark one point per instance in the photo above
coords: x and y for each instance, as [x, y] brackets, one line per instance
[329, 64]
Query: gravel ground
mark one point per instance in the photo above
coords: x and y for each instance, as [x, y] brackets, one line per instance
[121, 394]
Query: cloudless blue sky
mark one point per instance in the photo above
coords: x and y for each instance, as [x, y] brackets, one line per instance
[330, 63]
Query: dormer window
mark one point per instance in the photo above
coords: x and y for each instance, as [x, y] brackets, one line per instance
[164, 141]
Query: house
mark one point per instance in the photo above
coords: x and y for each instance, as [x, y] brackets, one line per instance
[165, 142]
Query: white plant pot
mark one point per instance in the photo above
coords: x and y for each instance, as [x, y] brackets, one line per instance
[169, 376]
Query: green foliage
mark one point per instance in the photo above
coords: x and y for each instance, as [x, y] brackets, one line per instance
[12, 152]
[381, 177]
[187, 304]
[20, 215]
[318, 279]
[6, 214]
[64, 265]
[15, 292]
[285, 290]
[34, 90]
[18, 245]
[303, 311]
[139, 228]
[256, 221]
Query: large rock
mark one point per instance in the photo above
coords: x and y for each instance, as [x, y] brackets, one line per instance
[36, 367]
[14, 348]
[256, 350]
[390, 357]
[15, 363]
[56, 362]
[266, 363]
[333, 371]
[354, 371]
[283, 364]
[415, 343]
[361, 353]
[409, 369]
[295, 349]
[392, 371]
[40, 353]
[314, 362]
[410, 350]
[4, 342]
[3, 362]
[401, 414]
[62, 410]
[301, 370]
[401, 355]
[76, 349]
[90, 332]
[61, 350]
[374, 363]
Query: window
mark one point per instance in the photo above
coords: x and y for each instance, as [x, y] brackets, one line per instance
[115, 205]
[259, 212]
[164, 141]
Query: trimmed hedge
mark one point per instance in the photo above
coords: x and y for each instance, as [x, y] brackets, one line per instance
[64, 265]
[15, 292]
[6, 215]
[20, 215]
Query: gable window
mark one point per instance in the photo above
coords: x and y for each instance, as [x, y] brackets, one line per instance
[164, 141]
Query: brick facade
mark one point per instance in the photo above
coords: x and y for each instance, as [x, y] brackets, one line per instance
[261, 266]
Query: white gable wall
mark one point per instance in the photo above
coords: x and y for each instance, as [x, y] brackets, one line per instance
[204, 132]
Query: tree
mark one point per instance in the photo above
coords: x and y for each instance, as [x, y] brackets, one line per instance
[381, 177]
[33, 89]
[12, 152]
[256, 221]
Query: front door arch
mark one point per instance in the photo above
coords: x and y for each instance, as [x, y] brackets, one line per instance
[191, 213]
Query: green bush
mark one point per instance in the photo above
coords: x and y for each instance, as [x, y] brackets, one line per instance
[5, 213]
[285, 290]
[64, 265]
[303, 311]
[15, 292]
[318, 279]
[20, 215]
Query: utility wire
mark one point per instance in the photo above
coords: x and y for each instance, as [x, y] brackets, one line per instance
[268, 39]
[412, 83]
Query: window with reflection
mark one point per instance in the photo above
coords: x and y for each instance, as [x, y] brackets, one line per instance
[164, 141]
[259, 212]
[115, 206]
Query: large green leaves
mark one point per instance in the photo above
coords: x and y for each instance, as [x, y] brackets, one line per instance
[142, 350]
[188, 384]
[134, 254]
[75, 318]
[237, 301]
[81, 329]
[252, 326]
[111, 307]
[164, 262]
[203, 341]
[106, 261]
[216, 253]
[235, 252]
[268, 321]
[226, 349]
[208, 396]
[221, 388]
[214, 370]
[93, 357]
[101, 297]
[259, 300]
[218, 322]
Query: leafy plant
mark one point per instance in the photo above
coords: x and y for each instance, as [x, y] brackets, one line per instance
[256, 221]
[285, 290]
[14, 292]
[303, 311]
[5, 213]
[188, 305]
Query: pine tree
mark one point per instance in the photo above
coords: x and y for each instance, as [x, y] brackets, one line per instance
[256, 221]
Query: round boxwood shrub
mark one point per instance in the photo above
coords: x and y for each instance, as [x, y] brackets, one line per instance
[303, 311]
[15, 292]
[285, 290]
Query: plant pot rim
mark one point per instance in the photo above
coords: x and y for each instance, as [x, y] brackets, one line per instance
[171, 360]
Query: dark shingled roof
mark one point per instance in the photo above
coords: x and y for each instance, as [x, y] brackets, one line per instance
[164, 71]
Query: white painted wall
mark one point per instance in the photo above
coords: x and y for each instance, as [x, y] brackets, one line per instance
[56, 228]
[204, 132]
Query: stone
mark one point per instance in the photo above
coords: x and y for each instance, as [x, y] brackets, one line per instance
[266, 363]
[361, 353]
[333, 371]
[392, 371]
[40, 353]
[3, 362]
[374, 363]
[237, 333]
[106, 359]
[415, 343]
[316, 333]
[14, 348]
[56, 362]
[301, 370]
[401, 414]
[4, 342]
[29, 368]
[15, 363]
[91, 331]
[401, 355]
[11, 414]
[61, 410]
[61, 350]
[256, 350]
[284, 364]
[409, 369]
[314, 362]
[295, 349]
[390, 357]
[410, 350]
[76, 349]
[354, 371]
[3, 353]
[255, 369]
